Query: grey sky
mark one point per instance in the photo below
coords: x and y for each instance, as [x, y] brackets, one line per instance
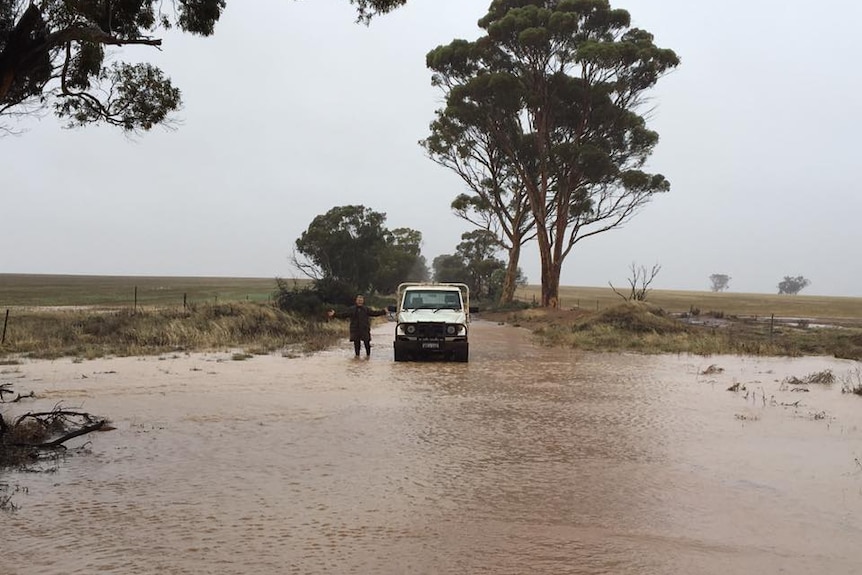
[291, 109]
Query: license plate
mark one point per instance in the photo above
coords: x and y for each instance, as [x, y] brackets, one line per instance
[430, 345]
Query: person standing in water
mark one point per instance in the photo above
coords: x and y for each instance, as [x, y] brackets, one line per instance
[360, 323]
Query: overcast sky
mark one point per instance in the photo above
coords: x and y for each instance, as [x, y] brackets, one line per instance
[292, 109]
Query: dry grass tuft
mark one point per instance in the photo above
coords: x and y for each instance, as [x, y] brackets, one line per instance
[90, 334]
[632, 317]
[819, 377]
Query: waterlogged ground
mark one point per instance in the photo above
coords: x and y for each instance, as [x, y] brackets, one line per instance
[525, 460]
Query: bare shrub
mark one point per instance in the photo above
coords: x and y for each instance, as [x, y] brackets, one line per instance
[818, 377]
[639, 282]
[851, 382]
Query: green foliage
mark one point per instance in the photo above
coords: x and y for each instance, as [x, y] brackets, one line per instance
[305, 300]
[793, 285]
[546, 105]
[53, 53]
[475, 264]
[350, 247]
[63, 42]
[450, 268]
[368, 8]
[478, 248]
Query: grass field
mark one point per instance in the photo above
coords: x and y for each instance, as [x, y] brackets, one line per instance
[729, 304]
[91, 316]
[119, 291]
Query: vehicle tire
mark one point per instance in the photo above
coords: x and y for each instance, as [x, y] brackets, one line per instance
[461, 356]
[400, 355]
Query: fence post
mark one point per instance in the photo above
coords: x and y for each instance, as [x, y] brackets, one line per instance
[5, 323]
[771, 326]
[184, 302]
[136, 300]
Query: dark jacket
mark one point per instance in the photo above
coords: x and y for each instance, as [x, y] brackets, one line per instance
[360, 321]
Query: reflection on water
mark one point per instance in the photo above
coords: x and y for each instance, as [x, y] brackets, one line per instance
[525, 460]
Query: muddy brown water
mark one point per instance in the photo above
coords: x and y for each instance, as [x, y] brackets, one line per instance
[525, 460]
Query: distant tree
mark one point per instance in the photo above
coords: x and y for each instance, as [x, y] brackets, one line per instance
[475, 264]
[719, 282]
[478, 248]
[793, 285]
[639, 281]
[350, 246]
[498, 284]
[54, 53]
[450, 268]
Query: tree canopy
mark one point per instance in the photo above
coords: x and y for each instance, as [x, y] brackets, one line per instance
[351, 246]
[791, 285]
[556, 86]
[53, 54]
[369, 8]
[719, 282]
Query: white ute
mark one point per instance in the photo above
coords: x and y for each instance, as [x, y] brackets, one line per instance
[432, 321]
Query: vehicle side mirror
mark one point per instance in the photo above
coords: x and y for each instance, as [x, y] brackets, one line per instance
[474, 309]
[391, 308]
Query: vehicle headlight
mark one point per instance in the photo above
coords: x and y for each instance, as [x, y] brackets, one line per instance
[451, 329]
[410, 329]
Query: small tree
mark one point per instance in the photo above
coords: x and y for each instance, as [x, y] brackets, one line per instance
[793, 285]
[719, 282]
[639, 281]
[350, 246]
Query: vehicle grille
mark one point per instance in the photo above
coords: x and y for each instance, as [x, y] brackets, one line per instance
[431, 330]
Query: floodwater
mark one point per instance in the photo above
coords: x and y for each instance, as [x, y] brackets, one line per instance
[525, 460]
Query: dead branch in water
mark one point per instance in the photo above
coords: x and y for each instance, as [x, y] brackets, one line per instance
[7, 388]
[27, 436]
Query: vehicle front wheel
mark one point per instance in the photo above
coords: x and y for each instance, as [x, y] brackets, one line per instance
[461, 356]
[400, 355]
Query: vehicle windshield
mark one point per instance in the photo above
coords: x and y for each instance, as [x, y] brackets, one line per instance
[432, 299]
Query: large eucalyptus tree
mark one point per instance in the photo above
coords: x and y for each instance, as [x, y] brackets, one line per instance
[558, 86]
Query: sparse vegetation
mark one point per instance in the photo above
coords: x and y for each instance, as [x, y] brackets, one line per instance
[822, 377]
[639, 281]
[89, 334]
[645, 328]
[851, 382]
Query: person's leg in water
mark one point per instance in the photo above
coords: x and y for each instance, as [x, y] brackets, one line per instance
[367, 348]
[356, 347]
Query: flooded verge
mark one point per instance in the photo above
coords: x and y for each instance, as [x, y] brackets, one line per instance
[525, 460]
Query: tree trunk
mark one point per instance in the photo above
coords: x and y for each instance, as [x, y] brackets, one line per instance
[550, 283]
[509, 284]
[550, 269]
